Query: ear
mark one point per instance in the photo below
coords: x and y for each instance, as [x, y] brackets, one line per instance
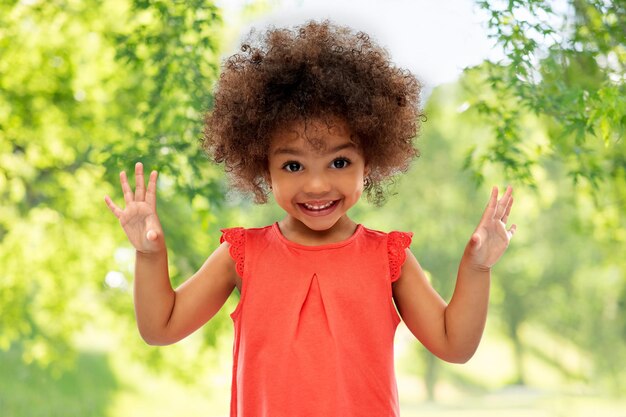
[268, 179]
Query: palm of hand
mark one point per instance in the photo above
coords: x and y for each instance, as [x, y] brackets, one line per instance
[491, 237]
[139, 218]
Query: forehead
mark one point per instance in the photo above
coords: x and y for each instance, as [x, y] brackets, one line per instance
[316, 134]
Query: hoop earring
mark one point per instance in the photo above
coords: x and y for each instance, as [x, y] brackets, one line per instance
[366, 182]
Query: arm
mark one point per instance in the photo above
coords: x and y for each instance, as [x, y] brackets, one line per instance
[453, 331]
[165, 316]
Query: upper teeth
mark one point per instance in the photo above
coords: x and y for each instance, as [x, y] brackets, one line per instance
[313, 207]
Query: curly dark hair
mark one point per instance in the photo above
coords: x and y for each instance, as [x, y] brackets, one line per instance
[316, 70]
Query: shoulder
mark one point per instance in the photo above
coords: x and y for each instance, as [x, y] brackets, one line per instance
[394, 246]
[235, 244]
[242, 232]
[373, 233]
[240, 238]
[394, 237]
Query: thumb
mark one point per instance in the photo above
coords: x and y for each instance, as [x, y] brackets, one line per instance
[151, 235]
[475, 241]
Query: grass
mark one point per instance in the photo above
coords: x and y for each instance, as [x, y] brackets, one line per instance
[30, 391]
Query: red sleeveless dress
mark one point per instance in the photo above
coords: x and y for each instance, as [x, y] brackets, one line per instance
[314, 327]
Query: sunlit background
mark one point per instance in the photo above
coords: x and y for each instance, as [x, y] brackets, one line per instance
[435, 40]
[528, 93]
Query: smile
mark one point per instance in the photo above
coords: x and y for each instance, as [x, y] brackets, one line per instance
[319, 208]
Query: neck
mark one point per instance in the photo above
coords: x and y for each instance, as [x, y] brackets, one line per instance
[296, 231]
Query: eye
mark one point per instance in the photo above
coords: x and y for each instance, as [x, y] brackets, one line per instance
[292, 166]
[340, 163]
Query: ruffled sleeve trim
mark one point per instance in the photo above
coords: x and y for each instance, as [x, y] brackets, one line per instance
[397, 242]
[236, 237]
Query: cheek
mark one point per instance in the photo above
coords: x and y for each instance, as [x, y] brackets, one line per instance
[282, 189]
[354, 185]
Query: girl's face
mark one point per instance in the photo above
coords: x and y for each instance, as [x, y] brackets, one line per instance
[316, 172]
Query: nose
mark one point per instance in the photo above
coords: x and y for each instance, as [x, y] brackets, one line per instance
[317, 184]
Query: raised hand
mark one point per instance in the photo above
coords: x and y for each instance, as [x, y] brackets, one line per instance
[139, 218]
[491, 237]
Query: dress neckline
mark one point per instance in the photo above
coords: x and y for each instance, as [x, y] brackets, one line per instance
[282, 238]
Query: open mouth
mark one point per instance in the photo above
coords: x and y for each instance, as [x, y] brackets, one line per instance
[318, 208]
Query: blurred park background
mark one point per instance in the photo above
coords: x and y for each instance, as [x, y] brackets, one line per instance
[88, 87]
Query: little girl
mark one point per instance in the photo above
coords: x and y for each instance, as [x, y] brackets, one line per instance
[315, 116]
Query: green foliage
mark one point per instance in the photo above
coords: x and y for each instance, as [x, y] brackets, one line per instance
[566, 69]
[567, 66]
[169, 52]
[86, 89]
[564, 271]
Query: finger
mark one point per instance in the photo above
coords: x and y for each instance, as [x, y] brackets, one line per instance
[128, 193]
[151, 235]
[505, 218]
[475, 241]
[491, 205]
[502, 204]
[151, 192]
[140, 184]
[114, 209]
[512, 230]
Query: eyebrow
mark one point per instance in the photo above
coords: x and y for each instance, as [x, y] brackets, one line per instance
[297, 152]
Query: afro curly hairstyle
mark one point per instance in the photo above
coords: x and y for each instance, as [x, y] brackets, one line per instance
[316, 70]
